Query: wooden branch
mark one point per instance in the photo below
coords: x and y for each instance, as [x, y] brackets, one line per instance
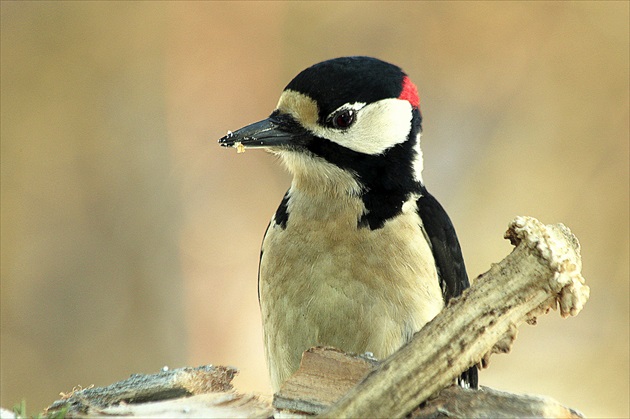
[544, 269]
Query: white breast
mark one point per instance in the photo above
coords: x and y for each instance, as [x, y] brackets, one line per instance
[324, 281]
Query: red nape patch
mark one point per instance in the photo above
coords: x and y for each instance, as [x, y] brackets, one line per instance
[410, 93]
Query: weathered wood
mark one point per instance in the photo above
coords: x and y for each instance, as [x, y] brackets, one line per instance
[228, 404]
[140, 388]
[543, 271]
[457, 402]
[326, 374]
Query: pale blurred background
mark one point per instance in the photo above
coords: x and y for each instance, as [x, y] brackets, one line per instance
[130, 239]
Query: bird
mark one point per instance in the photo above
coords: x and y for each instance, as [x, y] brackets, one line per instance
[358, 255]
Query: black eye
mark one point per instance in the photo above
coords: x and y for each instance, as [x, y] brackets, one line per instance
[343, 119]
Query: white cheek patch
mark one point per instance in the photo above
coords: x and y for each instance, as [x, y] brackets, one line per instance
[378, 127]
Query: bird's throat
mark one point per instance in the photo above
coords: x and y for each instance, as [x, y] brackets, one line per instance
[318, 178]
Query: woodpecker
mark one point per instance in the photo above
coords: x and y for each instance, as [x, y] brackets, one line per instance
[359, 255]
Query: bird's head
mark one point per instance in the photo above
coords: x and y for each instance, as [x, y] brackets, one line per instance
[352, 121]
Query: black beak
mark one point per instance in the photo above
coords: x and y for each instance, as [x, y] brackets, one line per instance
[265, 133]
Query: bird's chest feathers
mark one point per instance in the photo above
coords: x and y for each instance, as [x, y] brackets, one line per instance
[322, 270]
[326, 234]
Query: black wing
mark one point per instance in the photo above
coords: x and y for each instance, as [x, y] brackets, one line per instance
[448, 259]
